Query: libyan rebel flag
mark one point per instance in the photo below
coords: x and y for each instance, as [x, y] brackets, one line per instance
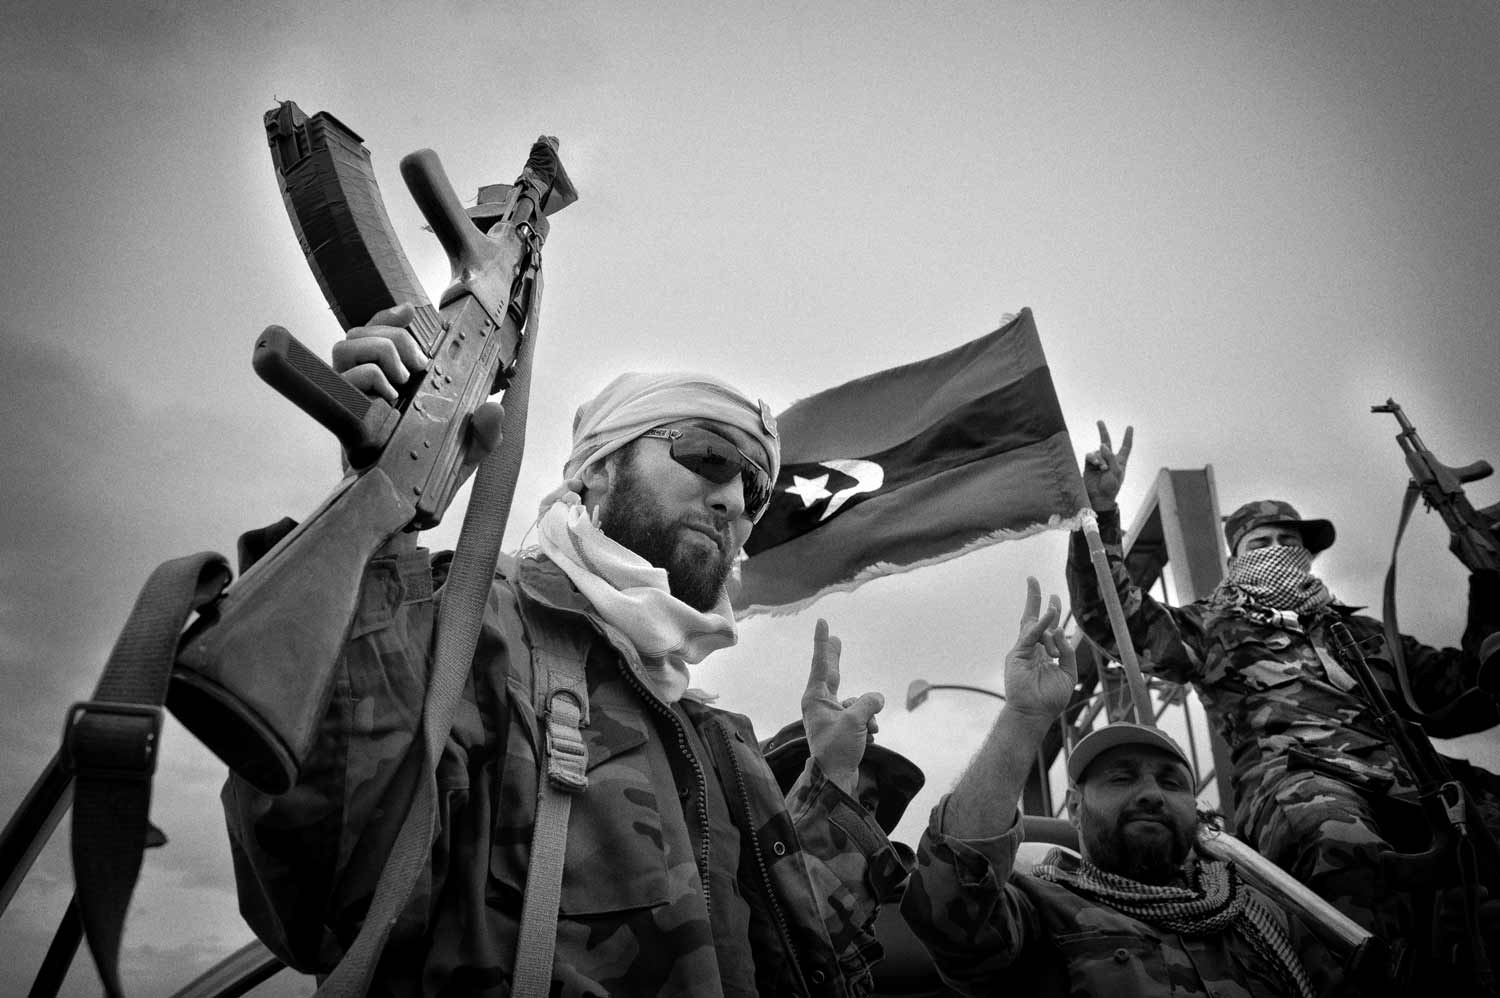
[913, 466]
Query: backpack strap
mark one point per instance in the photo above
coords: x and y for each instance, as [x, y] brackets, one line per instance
[560, 696]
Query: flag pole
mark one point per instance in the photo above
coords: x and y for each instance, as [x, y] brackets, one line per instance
[1139, 695]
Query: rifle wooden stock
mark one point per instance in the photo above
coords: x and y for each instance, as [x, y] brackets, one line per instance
[254, 674]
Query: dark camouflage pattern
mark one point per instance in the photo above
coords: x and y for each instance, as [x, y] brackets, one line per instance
[994, 931]
[636, 918]
[1307, 755]
[1316, 534]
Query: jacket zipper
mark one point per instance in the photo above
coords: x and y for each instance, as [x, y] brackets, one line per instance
[687, 750]
[657, 705]
[748, 829]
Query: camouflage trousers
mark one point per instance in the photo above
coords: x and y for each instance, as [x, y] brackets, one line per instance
[1330, 836]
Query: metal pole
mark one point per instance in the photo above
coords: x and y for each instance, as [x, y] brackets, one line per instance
[1139, 695]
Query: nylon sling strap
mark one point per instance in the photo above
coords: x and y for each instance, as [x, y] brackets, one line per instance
[110, 744]
[561, 699]
[459, 618]
[1388, 601]
[1454, 794]
[1469, 710]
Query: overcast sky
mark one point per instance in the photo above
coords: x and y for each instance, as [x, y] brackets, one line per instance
[1238, 225]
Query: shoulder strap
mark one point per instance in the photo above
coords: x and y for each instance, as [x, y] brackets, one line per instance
[1470, 710]
[109, 748]
[459, 619]
[560, 695]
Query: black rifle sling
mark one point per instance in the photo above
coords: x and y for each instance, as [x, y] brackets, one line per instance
[110, 744]
[459, 617]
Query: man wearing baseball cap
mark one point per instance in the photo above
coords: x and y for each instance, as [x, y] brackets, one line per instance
[1138, 912]
[1313, 775]
[685, 870]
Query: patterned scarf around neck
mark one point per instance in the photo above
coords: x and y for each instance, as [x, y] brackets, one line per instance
[632, 594]
[1275, 576]
[1215, 901]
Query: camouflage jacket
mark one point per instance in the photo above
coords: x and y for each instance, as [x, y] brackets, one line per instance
[635, 916]
[1264, 682]
[995, 931]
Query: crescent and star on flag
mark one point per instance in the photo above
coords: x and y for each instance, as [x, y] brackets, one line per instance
[813, 489]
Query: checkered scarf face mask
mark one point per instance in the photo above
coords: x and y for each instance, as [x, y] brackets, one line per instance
[1279, 577]
[1215, 902]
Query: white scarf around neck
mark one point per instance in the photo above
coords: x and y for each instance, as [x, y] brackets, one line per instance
[632, 595]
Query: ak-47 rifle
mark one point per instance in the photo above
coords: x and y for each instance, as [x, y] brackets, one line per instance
[255, 671]
[1475, 541]
[252, 674]
[1460, 842]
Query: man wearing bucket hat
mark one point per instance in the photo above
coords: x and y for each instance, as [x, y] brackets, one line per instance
[1139, 912]
[685, 870]
[888, 780]
[1317, 786]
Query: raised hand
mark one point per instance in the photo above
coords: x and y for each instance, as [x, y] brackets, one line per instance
[837, 730]
[1104, 469]
[1040, 669]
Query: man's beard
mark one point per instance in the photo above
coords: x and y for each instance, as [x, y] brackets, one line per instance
[629, 517]
[1156, 859]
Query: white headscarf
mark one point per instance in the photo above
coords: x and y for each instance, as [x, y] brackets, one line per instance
[626, 590]
[636, 402]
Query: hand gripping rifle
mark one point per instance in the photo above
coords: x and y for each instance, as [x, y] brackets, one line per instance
[1460, 842]
[1475, 542]
[255, 671]
[252, 673]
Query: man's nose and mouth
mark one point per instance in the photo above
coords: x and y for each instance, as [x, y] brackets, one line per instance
[715, 533]
[1147, 818]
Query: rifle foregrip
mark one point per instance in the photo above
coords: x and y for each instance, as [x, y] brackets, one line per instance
[434, 195]
[1473, 472]
[317, 389]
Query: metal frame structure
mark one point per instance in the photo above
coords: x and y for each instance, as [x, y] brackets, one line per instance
[1175, 547]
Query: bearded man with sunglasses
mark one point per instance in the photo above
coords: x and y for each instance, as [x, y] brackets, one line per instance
[685, 871]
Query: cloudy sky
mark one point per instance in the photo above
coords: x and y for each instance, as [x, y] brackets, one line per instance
[1238, 224]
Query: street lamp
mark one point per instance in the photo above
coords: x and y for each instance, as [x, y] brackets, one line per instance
[916, 693]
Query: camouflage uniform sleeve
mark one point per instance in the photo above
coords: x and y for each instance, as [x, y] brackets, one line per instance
[1438, 675]
[853, 865]
[306, 862]
[961, 905]
[1169, 640]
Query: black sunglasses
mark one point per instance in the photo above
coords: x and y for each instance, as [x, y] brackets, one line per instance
[717, 459]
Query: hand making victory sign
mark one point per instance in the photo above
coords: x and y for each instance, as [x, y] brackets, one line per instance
[1104, 469]
[1040, 669]
[837, 730]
